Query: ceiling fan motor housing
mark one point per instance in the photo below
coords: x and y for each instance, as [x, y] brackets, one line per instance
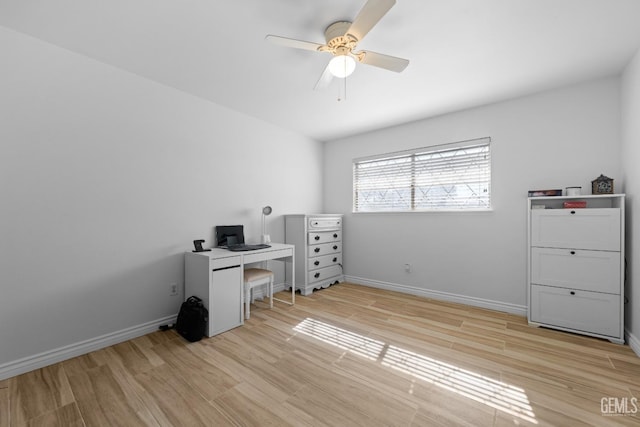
[338, 41]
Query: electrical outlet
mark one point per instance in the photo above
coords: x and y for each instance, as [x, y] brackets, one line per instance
[173, 289]
[407, 268]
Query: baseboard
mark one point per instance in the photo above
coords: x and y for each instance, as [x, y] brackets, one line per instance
[30, 363]
[633, 342]
[520, 310]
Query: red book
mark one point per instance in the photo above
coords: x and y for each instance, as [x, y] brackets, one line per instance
[575, 204]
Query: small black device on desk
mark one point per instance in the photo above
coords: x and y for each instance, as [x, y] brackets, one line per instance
[198, 245]
[232, 237]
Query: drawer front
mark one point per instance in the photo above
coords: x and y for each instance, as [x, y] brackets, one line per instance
[597, 271]
[574, 309]
[324, 261]
[263, 255]
[325, 249]
[225, 262]
[597, 229]
[324, 273]
[328, 222]
[324, 237]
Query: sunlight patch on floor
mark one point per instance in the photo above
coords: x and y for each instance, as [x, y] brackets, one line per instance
[341, 338]
[502, 396]
[496, 394]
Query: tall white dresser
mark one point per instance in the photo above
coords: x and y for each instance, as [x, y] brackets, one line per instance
[318, 242]
[576, 265]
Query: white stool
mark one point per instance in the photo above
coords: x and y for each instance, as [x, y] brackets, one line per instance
[256, 277]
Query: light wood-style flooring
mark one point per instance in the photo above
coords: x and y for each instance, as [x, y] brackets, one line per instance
[344, 356]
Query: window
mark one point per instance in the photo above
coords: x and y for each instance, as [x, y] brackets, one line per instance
[444, 177]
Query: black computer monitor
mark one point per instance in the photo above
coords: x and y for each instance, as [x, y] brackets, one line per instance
[229, 234]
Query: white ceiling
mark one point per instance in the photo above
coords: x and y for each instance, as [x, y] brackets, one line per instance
[463, 53]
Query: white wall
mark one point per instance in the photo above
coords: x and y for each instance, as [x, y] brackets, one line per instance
[630, 83]
[106, 178]
[555, 139]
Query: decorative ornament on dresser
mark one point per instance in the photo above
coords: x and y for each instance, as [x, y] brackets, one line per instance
[602, 185]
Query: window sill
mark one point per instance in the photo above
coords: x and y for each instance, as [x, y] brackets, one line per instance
[430, 211]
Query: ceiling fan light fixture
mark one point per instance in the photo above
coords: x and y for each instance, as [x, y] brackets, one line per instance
[342, 66]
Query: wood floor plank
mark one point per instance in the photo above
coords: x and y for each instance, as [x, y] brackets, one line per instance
[4, 404]
[437, 403]
[102, 400]
[240, 373]
[279, 412]
[81, 364]
[179, 402]
[626, 366]
[38, 392]
[395, 382]
[203, 376]
[252, 362]
[65, 416]
[246, 406]
[446, 332]
[348, 355]
[333, 409]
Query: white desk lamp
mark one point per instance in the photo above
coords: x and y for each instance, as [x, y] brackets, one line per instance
[265, 212]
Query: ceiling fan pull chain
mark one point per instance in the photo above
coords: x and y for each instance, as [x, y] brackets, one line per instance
[344, 98]
[345, 88]
[342, 91]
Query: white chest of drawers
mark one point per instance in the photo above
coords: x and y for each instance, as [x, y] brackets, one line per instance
[576, 265]
[318, 242]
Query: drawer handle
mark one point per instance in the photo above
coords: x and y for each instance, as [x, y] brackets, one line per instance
[335, 259]
[335, 247]
[335, 235]
[317, 237]
[573, 212]
[316, 275]
[316, 250]
[572, 252]
[572, 292]
[316, 263]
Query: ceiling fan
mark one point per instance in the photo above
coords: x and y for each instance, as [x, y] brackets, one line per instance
[341, 40]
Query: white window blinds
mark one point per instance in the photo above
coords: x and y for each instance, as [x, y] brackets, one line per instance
[445, 177]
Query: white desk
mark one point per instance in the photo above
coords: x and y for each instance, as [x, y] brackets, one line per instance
[217, 277]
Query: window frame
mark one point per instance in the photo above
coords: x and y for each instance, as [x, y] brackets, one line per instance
[421, 151]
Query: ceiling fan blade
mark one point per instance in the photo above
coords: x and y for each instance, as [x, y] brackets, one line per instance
[384, 61]
[369, 16]
[324, 80]
[298, 44]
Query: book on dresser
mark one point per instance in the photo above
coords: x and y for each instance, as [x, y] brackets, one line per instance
[575, 277]
[318, 254]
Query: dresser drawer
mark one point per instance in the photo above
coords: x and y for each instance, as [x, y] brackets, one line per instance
[324, 261]
[324, 237]
[316, 223]
[597, 271]
[324, 273]
[576, 228]
[324, 249]
[592, 312]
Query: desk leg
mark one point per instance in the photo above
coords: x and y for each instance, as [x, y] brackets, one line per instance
[293, 279]
[293, 282]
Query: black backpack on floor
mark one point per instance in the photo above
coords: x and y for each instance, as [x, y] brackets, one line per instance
[192, 319]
